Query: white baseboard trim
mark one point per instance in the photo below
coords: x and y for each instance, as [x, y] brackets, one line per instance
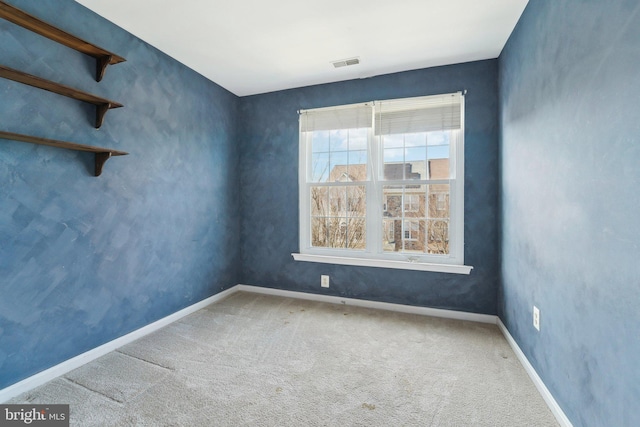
[75, 362]
[424, 311]
[537, 381]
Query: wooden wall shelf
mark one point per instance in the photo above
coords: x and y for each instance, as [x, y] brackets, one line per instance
[102, 104]
[30, 22]
[101, 154]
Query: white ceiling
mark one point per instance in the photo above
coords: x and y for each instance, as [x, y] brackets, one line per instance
[258, 46]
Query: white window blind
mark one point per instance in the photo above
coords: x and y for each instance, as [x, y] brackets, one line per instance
[421, 114]
[355, 116]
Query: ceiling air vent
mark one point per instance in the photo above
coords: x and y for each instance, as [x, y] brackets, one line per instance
[346, 62]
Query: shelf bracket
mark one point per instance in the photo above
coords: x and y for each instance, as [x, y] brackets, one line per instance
[101, 66]
[101, 159]
[101, 110]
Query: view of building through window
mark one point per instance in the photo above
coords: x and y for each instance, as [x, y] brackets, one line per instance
[415, 216]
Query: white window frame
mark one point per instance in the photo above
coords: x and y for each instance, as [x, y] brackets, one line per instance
[409, 205]
[373, 255]
[411, 233]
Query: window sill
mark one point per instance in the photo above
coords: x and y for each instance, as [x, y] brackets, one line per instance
[382, 263]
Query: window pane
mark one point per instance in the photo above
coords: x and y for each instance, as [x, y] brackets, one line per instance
[388, 234]
[438, 154]
[320, 141]
[438, 169]
[392, 141]
[405, 218]
[439, 139]
[358, 139]
[338, 140]
[337, 201]
[438, 238]
[319, 201]
[404, 200]
[411, 229]
[357, 170]
[338, 166]
[392, 235]
[357, 201]
[393, 203]
[415, 167]
[338, 216]
[415, 140]
[319, 236]
[320, 167]
[394, 164]
[346, 233]
[405, 156]
[339, 155]
[359, 158]
[414, 235]
[414, 204]
[356, 233]
[438, 201]
[337, 230]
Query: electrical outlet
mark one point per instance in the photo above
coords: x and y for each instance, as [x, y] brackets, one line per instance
[324, 281]
[536, 317]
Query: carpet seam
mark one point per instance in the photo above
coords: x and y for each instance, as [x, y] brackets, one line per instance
[122, 403]
[144, 360]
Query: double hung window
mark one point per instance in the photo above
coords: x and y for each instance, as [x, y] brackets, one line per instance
[383, 181]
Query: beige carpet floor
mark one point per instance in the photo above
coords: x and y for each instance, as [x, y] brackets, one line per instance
[256, 360]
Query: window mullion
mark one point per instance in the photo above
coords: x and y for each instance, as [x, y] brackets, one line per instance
[374, 210]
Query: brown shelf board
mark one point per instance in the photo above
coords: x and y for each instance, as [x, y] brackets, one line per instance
[102, 104]
[30, 22]
[101, 154]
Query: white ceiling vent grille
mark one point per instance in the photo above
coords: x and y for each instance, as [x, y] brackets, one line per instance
[346, 62]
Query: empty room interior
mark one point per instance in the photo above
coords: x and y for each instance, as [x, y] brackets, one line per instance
[321, 213]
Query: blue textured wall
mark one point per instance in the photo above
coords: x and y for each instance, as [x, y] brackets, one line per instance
[84, 260]
[570, 149]
[269, 198]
